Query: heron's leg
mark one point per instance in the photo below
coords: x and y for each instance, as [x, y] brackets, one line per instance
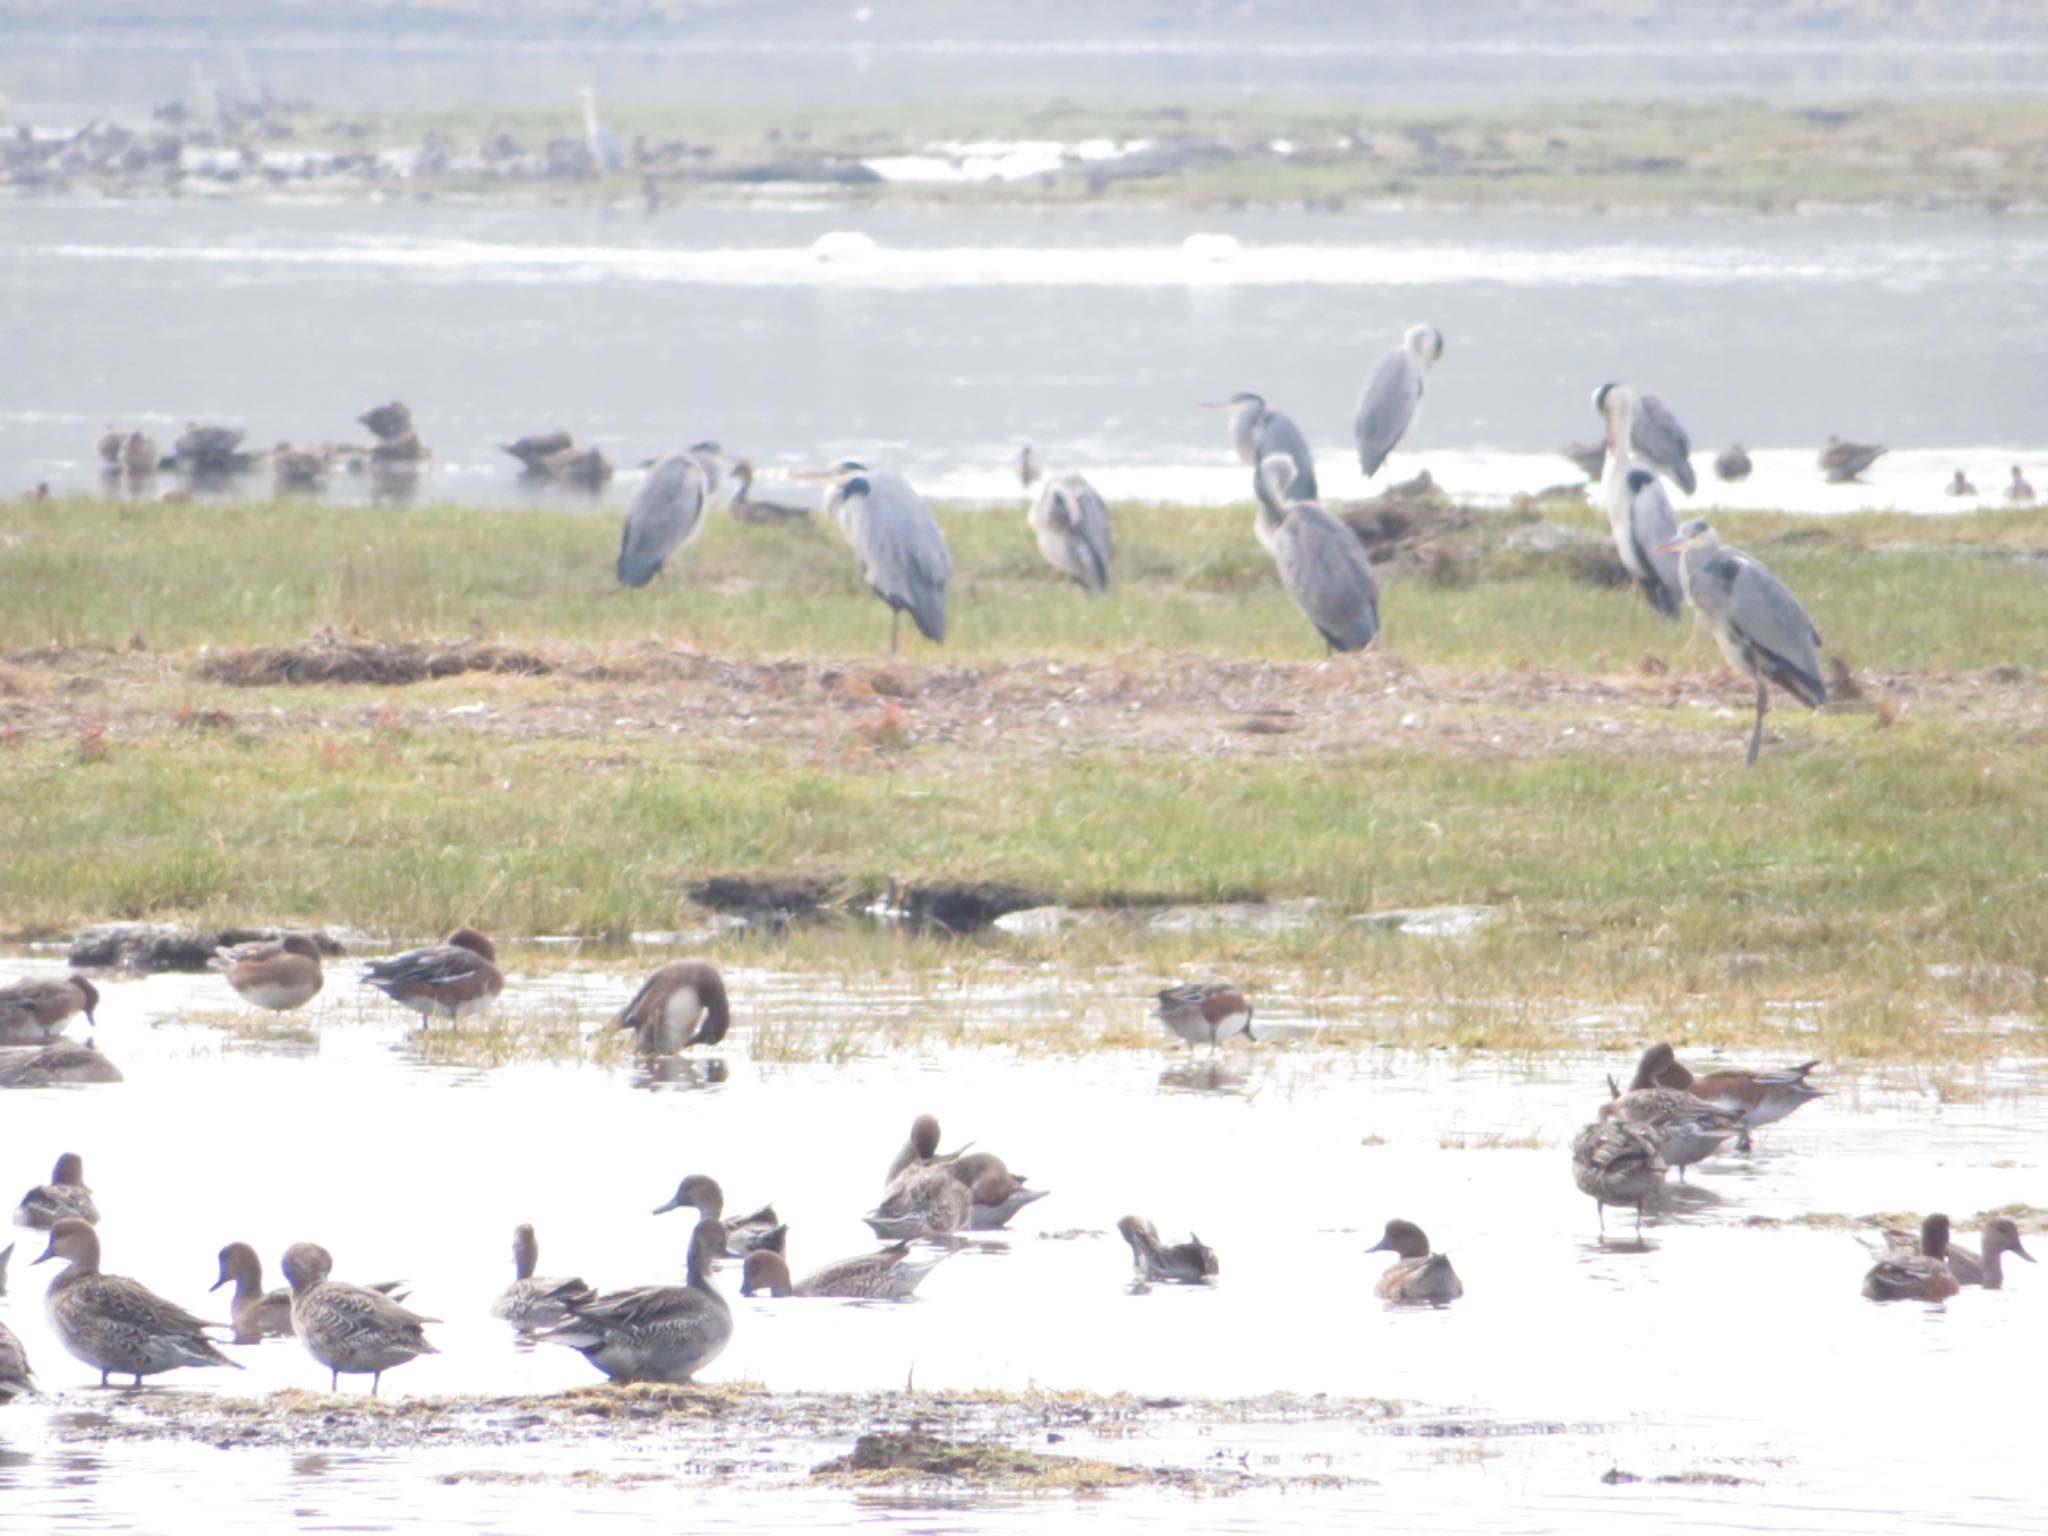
[1600, 1211]
[1756, 736]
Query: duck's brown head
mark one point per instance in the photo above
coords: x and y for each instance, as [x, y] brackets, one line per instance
[300, 944]
[924, 1135]
[1403, 1238]
[306, 1264]
[2002, 1235]
[238, 1262]
[701, 1193]
[473, 941]
[1657, 1060]
[765, 1271]
[76, 1242]
[525, 1250]
[1934, 1236]
[70, 1169]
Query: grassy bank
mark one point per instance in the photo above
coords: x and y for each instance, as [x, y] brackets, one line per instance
[1528, 741]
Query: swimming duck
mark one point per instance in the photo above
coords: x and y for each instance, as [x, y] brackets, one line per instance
[2020, 490]
[1683, 1129]
[140, 456]
[451, 979]
[1960, 485]
[922, 1147]
[922, 1201]
[118, 1325]
[15, 1376]
[33, 1012]
[1189, 1263]
[1733, 463]
[297, 467]
[998, 1194]
[888, 1274]
[209, 450]
[350, 1329]
[278, 974]
[743, 1234]
[2001, 1236]
[1759, 1098]
[61, 1061]
[531, 1302]
[1416, 1275]
[655, 1332]
[1843, 461]
[388, 421]
[1211, 1011]
[65, 1195]
[1921, 1276]
[680, 1005]
[534, 449]
[1616, 1163]
[108, 444]
[750, 509]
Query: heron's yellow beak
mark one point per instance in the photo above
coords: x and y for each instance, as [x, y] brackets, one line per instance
[814, 474]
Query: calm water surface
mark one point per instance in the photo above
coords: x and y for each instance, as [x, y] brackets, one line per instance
[1733, 1345]
[934, 342]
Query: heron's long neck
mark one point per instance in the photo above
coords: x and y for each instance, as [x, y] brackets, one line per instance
[1244, 431]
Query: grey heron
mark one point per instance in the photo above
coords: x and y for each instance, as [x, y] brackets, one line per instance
[1258, 433]
[1960, 485]
[1654, 436]
[897, 541]
[1638, 511]
[667, 512]
[1028, 472]
[1392, 395]
[605, 157]
[1072, 524]
[1843, 461]
[1321, 563]
[1756, 620]
[2019, 490]
[1732, 463]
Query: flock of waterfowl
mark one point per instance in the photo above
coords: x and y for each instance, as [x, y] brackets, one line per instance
[1668, 1119]
[207, 456]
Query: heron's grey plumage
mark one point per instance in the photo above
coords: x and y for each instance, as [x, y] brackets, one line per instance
[1756, 620]
[1638, 512]
[1321, 563]
[1258, 433]
[899, 545]
[1659, 439]
[1072, 525]
[605, 157]
[1392, 395]
[667, 512]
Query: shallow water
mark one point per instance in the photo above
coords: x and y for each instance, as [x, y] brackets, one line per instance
[934, 342]
[1730, 1345]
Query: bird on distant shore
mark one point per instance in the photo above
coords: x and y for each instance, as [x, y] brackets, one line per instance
[533, 449]
[1258, 433]
[1190, 1263]
[1654, 435]
[1844, 461]
[451, 979]
[1205, 1012]
[605, 156]
[387, 422]
[1733, 463]
[1639, 512]
[1392, 396]
[2020, 490]
[1756, 620]
[1960, 485]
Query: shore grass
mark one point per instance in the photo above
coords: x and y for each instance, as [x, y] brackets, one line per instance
[1868, 890]
[1722, 153]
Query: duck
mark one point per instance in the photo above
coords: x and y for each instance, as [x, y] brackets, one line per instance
[888, 1274]
[300, 467]
[587, 467]
[997, 1193]
[108, 444]
[35, 1012]
[1211, 1011]
[743, 1234]
[117, 1325]
[16, 1379]
[749, 508]
[680, 1005]
[2001, 1236]
[65, 1195]
[1760, 1098]
[61, 1061]
[1190, 1263]
[655, 1332]
[1960, 485]
[1843, 461]
[209, 450]
[922, 1147]
[1921, 1276]
[259, 1314]
[533, 450]
[140, 456]
[398, 452]
[530, 1302]
[2019, 490]
[451, 979]
[1733, 463]
[351, 1329]
[1616, 1163]
[1416, 1275]
[1685, 1130]
[924, 1200]
[278, 974]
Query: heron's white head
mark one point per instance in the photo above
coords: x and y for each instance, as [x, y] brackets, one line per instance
[1426, 342]
[1693, 534]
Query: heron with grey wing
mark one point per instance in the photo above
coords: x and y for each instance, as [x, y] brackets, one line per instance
[897, 541]
[1655, 436]
[1257, 433]
[1320, 561]
[1638, 511]
[605, 157]
[1756, 620]
[1072, 523]
[667, 511]
[1393, 395]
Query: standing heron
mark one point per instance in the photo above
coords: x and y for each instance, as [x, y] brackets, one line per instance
[604, 144]
[1258, 433]
[1654, 435]
[1321, 563]
[1072, 524]
[897, 541]
[667, 512]
[1392, 396]
[1756, 620]
[1638, 511]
